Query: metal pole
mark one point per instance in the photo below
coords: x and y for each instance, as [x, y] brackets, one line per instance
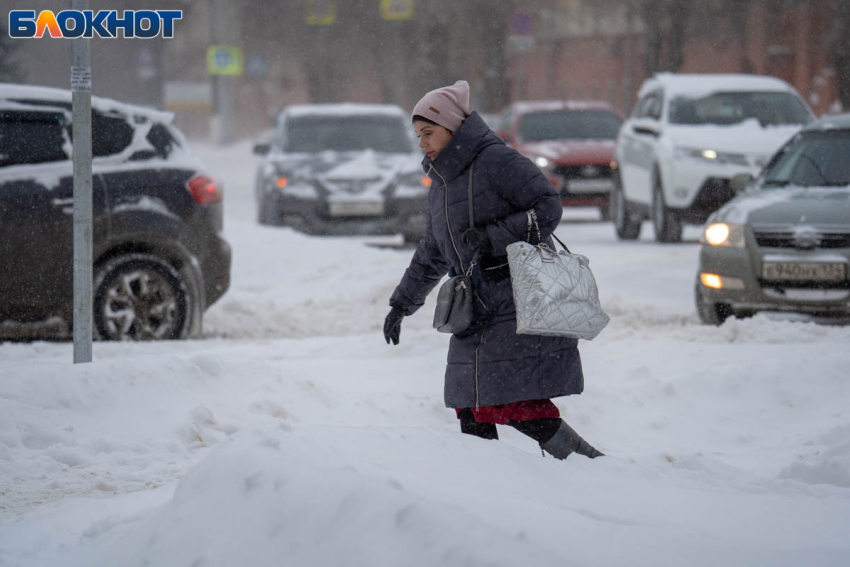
[81, 99]
[225, 32]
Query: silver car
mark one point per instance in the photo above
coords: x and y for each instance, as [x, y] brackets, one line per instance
[337, 169]
[784, 243]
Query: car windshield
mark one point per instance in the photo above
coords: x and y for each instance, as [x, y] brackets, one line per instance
[569, 125]
[812, 159]
[769, 108]
[346, 134]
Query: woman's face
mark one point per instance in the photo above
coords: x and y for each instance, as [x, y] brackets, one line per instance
[432, 138]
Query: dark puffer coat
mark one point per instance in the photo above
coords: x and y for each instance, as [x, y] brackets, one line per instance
[491, 364]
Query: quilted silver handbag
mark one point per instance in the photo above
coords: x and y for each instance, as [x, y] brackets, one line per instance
[555, 294]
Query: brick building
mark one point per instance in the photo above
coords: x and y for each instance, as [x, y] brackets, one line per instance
[596, 50]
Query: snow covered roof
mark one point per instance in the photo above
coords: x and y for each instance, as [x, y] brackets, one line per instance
[341, 109]
[10, 91]
[695, 84]
[524, 106]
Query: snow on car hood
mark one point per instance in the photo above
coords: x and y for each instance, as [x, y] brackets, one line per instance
[747, 138]
[570, 152]
[788, 206]
[348, 175]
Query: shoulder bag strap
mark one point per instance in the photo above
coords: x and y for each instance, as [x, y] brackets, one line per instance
[471, 218]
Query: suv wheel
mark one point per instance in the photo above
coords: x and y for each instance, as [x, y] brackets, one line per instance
[140, 297]
[620, 212]
[668, 228]
[710, 313]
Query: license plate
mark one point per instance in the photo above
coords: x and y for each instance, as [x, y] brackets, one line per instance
[356, 209]
[804, 271]
[589, 185]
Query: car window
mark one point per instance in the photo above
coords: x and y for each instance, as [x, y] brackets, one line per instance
[769, 108]
[812, 159]
[650, 106]
[656, 106]
[109, 135]
[317, 133]
[569, 125]
[31, 137]
[163, 142]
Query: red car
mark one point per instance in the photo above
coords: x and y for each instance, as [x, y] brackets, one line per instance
[572, 142]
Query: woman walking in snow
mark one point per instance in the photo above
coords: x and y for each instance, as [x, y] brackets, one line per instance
[494, 376]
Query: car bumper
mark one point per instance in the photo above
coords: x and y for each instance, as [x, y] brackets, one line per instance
[399, 216]
[215, 269]
[585, 200]
[696, 190]
[746, 291]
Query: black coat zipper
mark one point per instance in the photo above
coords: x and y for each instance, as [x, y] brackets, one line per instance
[448, 222]
[463, 270]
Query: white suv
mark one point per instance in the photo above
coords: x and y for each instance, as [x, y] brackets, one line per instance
[688, 136]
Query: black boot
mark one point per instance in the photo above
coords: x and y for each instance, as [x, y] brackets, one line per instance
[541, 430]
[566, 441]
[469, 426]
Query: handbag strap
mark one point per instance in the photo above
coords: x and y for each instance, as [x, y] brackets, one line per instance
[562, 244]
[532, 217]
[471, 218]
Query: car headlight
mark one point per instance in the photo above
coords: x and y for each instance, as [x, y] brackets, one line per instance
[711, 156]
[293, 186]
[541, 162]
[723, 234]
[414, 180]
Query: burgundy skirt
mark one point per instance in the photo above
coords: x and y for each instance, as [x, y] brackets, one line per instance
[516, 411]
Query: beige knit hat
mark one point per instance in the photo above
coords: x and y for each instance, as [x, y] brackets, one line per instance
[447, 106]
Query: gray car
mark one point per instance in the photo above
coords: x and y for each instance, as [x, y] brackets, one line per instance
[784, 243]
[339, 169]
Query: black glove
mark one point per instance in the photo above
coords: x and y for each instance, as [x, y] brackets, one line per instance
[477, 239]
[392, 324]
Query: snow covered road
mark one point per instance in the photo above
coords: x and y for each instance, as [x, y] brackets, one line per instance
[292, 434]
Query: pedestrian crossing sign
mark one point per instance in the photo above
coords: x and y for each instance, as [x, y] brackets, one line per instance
[397, 9]
[320, 12]
[225, 60]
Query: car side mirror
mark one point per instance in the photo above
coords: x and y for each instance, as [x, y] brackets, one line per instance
[262, 148]
[646, 130]
[740, 182]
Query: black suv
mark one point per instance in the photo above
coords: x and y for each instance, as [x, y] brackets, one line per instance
[159, 258]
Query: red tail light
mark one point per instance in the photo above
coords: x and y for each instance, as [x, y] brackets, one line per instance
[204, 190]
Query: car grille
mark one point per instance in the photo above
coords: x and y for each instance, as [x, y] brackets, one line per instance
[584, 171]
[787, 239]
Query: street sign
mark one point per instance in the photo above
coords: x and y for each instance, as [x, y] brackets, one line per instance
[224, 60]
[320, 12]
[397, 9]
[256, 65]
[521, 23]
